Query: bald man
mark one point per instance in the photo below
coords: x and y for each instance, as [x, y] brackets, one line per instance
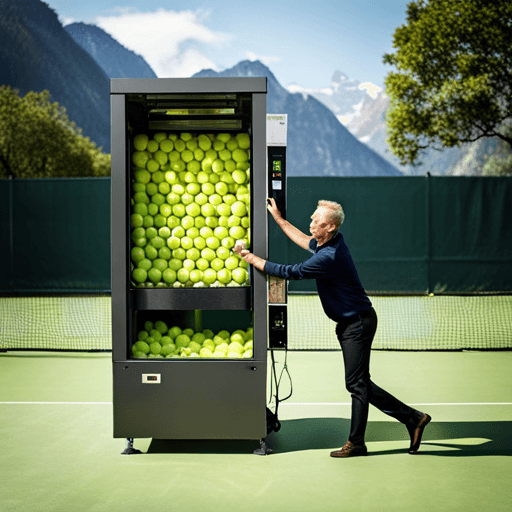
[344, 301]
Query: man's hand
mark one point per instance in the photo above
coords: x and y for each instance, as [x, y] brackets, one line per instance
[273, 209]
[250, 258]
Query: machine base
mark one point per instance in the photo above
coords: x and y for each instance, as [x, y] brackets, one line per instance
[129, 449]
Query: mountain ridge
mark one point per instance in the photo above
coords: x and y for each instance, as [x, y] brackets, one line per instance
[336, 151]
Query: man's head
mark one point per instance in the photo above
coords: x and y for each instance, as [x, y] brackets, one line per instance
[326, 220]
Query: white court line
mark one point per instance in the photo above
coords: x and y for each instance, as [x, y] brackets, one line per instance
[280, 403]
[55, 403]
[433, 403]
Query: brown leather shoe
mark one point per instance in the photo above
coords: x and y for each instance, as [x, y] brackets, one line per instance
[350, 450]
[416, 433]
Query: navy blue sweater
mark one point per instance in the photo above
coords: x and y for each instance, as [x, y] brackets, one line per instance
[339, 288]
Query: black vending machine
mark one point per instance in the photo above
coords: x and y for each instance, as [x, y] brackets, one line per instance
[189, 318]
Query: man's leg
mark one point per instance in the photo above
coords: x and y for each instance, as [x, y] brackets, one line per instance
[356, 339]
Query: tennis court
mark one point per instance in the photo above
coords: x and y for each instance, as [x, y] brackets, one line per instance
[59, 454]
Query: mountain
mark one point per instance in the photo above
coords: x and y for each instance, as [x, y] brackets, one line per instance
[369, 126]
[36, 53]
[344, 96]
[115, 60]
[318, 144]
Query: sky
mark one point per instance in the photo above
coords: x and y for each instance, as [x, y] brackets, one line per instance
[302, 42]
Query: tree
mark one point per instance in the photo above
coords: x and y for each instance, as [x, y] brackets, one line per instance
[499, 162]
[37, 140]
[453, 75]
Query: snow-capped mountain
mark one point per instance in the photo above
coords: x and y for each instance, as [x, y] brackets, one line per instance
[343, 96]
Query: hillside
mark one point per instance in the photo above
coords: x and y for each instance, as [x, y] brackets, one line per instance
[36, 53]
[115, 60]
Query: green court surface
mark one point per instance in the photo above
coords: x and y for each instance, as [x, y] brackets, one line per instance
[58, 453]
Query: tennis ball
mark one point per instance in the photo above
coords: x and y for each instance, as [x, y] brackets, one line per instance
[183, 275]
[194, 347]
[237, 232]
[140, 142]
[218, 166]
[164, 253]
[199, 243]
[217, 354]
[234, 355]
[240, 155]
[167, 145]
[248, 345]
[181, 341]
[239, 209]
[141, 197]
[228, 242]
[208, 343]
[140, 159]
[174, 332]
[179, 254]
[223, 334]
[154, 275]
[239, 176]
[210, 221]
[238, 336]
[140, 346]
[139, 355]
[223, 275]
[155, 348]
[193, 209]
[223, 253]
[205, 352]
[243, 140]
[196, 276]
[156, 335]
[247, 354]
[224, 137]
[204, 142]
[239, 275]
[139, 275]
[168, 349]
[161, 327]
[222, 347]
[143, 336]
[169, 276]
[137, 254]
[209, 276]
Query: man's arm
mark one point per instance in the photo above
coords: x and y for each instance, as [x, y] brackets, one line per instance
[293, 233]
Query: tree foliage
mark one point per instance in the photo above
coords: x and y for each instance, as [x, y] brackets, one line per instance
[37, 140]
[453, 75]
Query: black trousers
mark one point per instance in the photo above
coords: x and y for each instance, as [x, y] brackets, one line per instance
[356, 336]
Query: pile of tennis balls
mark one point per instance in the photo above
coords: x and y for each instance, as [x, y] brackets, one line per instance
[190, 204]
[158, 341]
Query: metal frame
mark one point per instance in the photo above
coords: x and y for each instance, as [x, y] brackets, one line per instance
[196, 398]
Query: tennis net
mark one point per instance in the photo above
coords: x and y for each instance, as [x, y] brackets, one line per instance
[440, 322]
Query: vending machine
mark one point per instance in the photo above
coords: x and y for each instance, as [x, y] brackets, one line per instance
[190, 326]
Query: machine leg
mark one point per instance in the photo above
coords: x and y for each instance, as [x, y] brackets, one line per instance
[263, 449]
[130, 450]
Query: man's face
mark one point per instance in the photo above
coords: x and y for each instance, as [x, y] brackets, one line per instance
[320, 227]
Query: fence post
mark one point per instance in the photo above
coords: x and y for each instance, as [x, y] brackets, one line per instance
[11, 233]
[428, 223]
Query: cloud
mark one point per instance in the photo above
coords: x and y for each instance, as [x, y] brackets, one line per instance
[266, 60]
[309, 91]
[173, 43]
[371, 89]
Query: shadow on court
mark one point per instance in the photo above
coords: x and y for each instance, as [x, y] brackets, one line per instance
[474, 439]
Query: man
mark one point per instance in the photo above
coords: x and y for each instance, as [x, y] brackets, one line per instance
[344, 300]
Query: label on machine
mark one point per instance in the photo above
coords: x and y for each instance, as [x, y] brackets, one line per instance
[151, 378]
